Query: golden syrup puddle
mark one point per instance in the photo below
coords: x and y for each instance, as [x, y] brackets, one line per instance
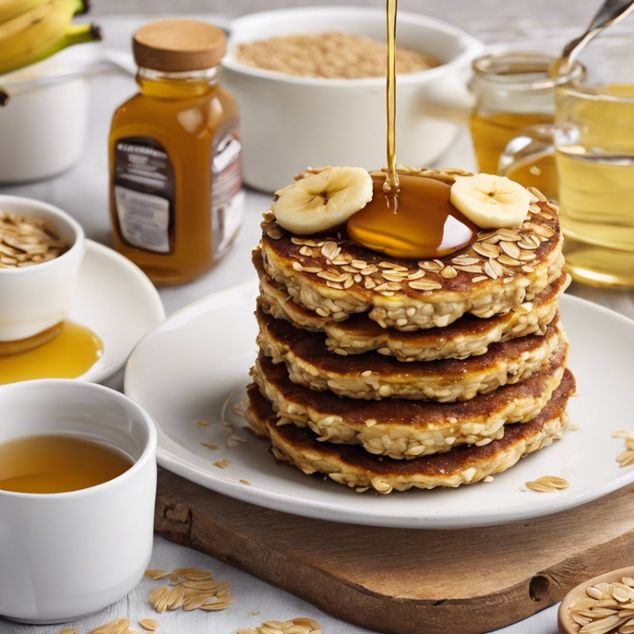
[419, 222]
[65, 351]
[409, 216]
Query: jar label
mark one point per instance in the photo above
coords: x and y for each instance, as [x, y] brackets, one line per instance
[227, 197]
[144, 194]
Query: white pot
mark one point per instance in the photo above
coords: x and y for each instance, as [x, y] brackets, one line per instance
[290, 122]
[42, 130]
[65, 555]
[35, 298]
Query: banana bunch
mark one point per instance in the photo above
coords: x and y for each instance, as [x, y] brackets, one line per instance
[32, 30]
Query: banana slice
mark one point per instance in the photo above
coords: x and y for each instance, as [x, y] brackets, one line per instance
[323, 200]
[490, 201]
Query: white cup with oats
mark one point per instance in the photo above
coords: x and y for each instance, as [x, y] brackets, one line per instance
[76, 533]
[41, 248]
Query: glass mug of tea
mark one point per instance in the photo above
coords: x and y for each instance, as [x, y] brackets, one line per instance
[591, 142]
[513, 91]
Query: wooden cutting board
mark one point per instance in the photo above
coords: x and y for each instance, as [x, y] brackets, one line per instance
[402, 581]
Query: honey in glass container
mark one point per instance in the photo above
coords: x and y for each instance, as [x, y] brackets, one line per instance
[514, 91]
[175, 171]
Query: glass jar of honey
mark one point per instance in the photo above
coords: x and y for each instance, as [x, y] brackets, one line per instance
[175, 171]
[515, 91]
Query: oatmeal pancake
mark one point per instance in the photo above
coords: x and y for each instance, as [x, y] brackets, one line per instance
[336, 278]
[404, 428]
[465, 337]
[375, 376]
[353, 466]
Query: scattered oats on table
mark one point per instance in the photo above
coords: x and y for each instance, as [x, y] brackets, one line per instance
[202, 423]
[222, 464]
[299, 625]
[190, 589]
[119, 626]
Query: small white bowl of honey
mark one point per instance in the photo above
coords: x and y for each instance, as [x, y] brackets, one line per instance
[41, 249]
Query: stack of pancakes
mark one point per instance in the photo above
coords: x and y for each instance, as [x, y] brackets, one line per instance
[388, 373]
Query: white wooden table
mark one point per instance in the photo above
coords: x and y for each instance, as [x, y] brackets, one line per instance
[83, 192]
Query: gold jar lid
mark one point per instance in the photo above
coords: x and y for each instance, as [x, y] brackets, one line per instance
[178, 45]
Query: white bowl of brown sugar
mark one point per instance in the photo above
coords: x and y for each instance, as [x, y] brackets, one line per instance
[311, 88]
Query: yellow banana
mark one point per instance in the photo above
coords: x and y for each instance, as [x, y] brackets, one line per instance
[10, 9]
[40, 32]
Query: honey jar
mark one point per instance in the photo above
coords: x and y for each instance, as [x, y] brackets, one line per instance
[175, 155]
[513, 93]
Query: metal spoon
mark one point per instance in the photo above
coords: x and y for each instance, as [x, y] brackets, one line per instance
[611, 12]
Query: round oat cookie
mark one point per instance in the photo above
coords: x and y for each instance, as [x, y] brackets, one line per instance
[375, 376]
[335, 278]
[353, 466]
[403, 429]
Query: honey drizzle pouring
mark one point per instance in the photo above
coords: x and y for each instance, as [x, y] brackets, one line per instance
[391, 181]
[409, 217]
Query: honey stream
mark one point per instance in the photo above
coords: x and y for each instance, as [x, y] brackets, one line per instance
[392, 181]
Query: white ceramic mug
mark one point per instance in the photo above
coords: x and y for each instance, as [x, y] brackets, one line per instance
[65, 555]
[37, 297]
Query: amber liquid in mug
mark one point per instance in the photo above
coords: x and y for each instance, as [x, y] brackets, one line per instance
[57, 464]
[64, 351]
[409, 216]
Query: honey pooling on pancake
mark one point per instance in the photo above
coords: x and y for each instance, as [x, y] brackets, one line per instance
[417, 222]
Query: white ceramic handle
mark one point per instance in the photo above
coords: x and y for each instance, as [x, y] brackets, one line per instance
[449, 99]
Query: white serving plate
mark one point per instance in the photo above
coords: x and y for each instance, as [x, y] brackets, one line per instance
[195, 365]
[117, 301]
